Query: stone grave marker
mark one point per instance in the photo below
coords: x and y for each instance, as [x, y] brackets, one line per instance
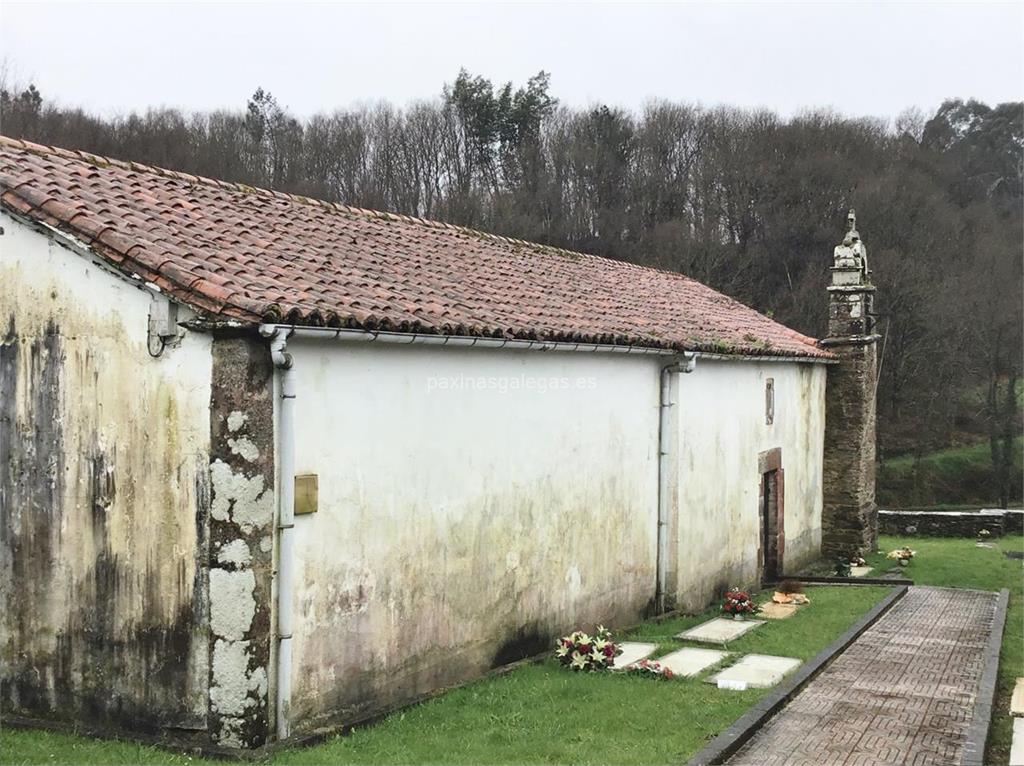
[758, 671]
[1017, 699]
[690, 662]
[719, 630]
[632, 652]
[1017, 744]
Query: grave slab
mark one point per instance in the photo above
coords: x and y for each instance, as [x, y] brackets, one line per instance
[1017, 744]
[690, 662]
[719, 630]
[860, 571]
[773, 611]
[1017, 699]
[632, 652]
[758, 671]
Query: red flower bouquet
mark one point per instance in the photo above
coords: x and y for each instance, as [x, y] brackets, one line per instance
[737, 602]
[650, 669]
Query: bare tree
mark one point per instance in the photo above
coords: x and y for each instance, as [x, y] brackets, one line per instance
[743, 200]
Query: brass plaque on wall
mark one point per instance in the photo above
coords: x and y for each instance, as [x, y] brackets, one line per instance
[306, 492]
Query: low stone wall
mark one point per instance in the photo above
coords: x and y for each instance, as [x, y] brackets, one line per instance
[958, 524]
[1013, 522]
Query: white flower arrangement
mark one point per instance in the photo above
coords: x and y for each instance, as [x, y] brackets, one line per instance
[581, 651]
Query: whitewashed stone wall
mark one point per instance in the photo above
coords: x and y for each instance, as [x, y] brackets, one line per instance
[473, 504]
[104, 466]
[722, 431]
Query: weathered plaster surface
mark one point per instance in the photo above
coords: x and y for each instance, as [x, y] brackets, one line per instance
[104, 455]
[722, 430]
[241, 527]
[463, 527]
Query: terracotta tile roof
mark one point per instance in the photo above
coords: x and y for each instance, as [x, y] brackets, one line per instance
[235, 252]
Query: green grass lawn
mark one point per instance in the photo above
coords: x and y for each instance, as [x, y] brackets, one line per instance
[537, 714]
[957, 563]
[960, 476]
[955, 458]
[544, 714]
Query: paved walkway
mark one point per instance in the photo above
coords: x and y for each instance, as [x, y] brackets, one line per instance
[902, 693]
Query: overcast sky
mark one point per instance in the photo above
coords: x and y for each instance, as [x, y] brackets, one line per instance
[861, 59]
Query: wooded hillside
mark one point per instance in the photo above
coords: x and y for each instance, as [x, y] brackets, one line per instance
[746, 201]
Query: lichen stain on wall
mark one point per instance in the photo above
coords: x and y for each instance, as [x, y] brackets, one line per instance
[103, 499]
[803, 522]
[464, 528]
[453, 595]
[241, 528]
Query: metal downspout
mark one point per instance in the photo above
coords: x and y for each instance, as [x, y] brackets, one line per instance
[285, 524]
[665, 404]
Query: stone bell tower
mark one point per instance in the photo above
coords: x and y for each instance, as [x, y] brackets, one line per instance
[849, 515]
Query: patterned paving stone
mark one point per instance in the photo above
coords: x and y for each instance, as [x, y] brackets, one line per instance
[902, 693]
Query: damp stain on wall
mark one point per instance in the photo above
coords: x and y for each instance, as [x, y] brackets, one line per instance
[103, 500]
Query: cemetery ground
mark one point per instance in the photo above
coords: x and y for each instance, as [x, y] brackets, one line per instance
[959, 563]
[543, 713]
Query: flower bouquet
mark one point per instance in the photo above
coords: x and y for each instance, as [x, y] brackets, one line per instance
[650, 669]
[580, 651]
[738, 603]
[902, 555]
